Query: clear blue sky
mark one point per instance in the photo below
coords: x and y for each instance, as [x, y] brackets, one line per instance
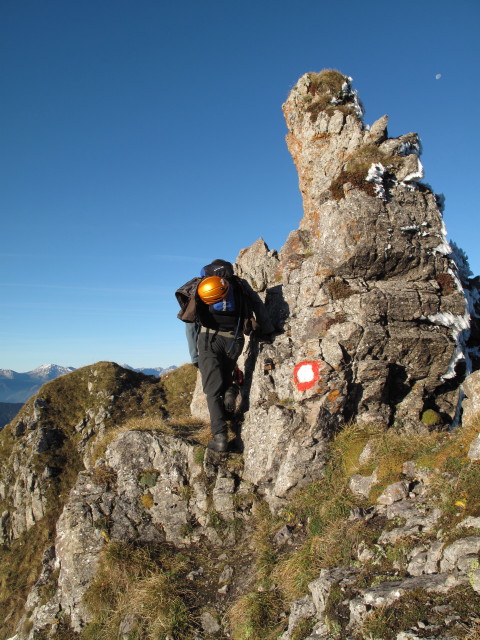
[140, 140]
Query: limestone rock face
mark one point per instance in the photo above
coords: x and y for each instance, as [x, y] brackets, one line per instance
[52, 437]
[367, 288]
[154, 489]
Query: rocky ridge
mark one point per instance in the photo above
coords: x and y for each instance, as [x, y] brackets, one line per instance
[349, 505]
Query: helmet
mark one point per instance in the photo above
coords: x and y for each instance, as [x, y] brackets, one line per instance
[212, 289]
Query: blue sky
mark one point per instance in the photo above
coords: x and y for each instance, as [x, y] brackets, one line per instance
[140, 140]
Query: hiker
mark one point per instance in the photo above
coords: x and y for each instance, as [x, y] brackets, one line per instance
[222, 308]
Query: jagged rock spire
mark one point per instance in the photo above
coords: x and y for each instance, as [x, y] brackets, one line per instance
[367, 288]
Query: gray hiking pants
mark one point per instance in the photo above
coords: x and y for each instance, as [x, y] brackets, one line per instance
[217, 356]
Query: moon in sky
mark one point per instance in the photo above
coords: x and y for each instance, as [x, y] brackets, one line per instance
[438, 76]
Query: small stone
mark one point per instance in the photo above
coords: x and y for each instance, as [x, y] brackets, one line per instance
[226, 575]
[282, 536]
[209, 623]
[366, 454]
[223, 590]
[394, 493]
[361, 485]
[127, 625]
[474, 451]
[469, 522]
[469, 546]
[364, 554]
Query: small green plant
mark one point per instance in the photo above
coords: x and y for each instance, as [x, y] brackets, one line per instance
[431, 418]
[199, 455]
[303, 629]
[149, 478]
[216, 521]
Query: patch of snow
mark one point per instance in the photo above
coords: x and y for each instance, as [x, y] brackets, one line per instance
[460, 326]
[443, 248]
[415, 176]
[351, 95]
[449, 319]
[412, 227]
[406, 148]
[375, 176]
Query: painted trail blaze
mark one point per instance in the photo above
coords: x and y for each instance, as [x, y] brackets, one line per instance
[306, 374]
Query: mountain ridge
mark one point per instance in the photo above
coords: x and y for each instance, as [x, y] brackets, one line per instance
[18, 387]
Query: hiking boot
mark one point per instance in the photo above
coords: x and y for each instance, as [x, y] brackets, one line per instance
[230, 399]
[219, 442]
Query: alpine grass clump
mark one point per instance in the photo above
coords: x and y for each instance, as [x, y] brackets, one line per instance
[355, 170]
[146, 583]
[327, 91]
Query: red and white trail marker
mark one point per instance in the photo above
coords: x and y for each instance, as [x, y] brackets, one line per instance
[306, 374]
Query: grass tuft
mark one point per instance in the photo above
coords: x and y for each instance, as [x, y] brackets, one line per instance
[148, 582]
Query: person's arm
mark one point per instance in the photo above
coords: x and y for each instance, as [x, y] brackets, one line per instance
[259, 309]
[192, 335]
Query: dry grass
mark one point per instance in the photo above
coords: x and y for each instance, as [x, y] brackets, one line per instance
[328, 81]
[416, 606]
[147, 582]
[325, 93]
[257, 616]
[179, 386]
[356, 169]
[186, 428]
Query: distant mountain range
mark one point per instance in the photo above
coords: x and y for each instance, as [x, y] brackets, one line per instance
[19, 387]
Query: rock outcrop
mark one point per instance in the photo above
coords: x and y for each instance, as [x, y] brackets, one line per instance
[367, 288]
[376, 318]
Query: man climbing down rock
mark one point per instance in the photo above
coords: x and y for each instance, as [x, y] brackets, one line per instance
[224, 308]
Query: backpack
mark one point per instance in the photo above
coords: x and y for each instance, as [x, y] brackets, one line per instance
[187, 300]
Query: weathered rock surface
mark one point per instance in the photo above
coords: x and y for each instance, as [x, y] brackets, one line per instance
[367, 288]
[52, 438]
[434, 567]
[151, 490]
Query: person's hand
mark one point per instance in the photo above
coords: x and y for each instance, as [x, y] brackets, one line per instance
[267, 338]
